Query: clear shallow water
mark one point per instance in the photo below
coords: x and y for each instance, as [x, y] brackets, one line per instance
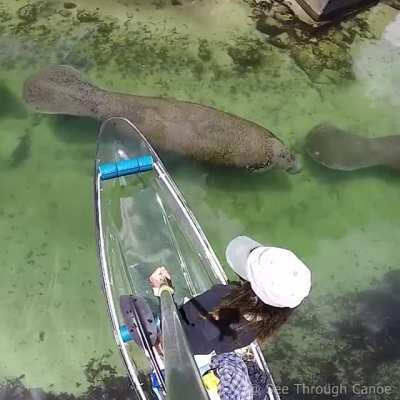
[344, 225]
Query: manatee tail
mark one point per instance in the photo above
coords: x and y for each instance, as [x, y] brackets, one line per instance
[60, 89]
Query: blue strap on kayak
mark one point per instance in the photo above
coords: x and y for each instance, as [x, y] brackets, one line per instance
[155, 383]
[126, 167]
[125, 334]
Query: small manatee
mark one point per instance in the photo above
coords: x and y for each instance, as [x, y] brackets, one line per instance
[200, 132]
[338, 149]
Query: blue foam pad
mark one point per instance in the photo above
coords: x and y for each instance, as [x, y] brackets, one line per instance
[126, 167]
[125, 334]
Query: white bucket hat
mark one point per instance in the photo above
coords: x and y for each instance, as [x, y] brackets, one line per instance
[277, 276]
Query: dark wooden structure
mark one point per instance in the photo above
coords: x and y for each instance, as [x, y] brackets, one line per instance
[327, 10]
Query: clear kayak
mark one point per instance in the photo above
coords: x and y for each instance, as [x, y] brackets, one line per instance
[143, 222]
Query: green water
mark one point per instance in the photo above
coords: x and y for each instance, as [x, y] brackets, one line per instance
[54, 334]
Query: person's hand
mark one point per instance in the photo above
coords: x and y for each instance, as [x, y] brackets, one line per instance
[158, 278]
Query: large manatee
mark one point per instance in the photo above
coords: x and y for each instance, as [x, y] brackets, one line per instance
[200, 132]
[341, 150]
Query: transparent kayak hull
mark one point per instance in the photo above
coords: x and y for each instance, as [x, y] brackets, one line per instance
[143, 222]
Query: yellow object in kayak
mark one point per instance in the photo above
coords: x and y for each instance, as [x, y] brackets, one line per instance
[211, 381]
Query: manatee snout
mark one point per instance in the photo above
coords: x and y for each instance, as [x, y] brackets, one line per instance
[284, 158]
[295, 165]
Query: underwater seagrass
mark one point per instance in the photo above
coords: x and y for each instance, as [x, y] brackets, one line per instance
[200, 132]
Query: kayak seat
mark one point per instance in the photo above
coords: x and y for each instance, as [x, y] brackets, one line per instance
[136, 307]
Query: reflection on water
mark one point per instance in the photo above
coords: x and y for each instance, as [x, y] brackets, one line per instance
[345, 225]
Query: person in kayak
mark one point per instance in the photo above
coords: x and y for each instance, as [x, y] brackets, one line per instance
[274, 282]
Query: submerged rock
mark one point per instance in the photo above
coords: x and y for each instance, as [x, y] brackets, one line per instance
[393, 3]
[87, 16]
[205, 53]
[31, 12]
[5, 16]
[322, 11]
[269, 25]
[105, 28]
[64, 13]
[247, 54]
[28, 13]
[314, 50]
[69, 5]
[282, 40]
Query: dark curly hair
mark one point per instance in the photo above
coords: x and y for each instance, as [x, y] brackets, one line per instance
[264, 320]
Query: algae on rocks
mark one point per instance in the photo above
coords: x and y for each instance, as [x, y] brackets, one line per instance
[69, 5]
[393, 3]
[247, 54]
[204, 53]
[28, 13]
[88, 16]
